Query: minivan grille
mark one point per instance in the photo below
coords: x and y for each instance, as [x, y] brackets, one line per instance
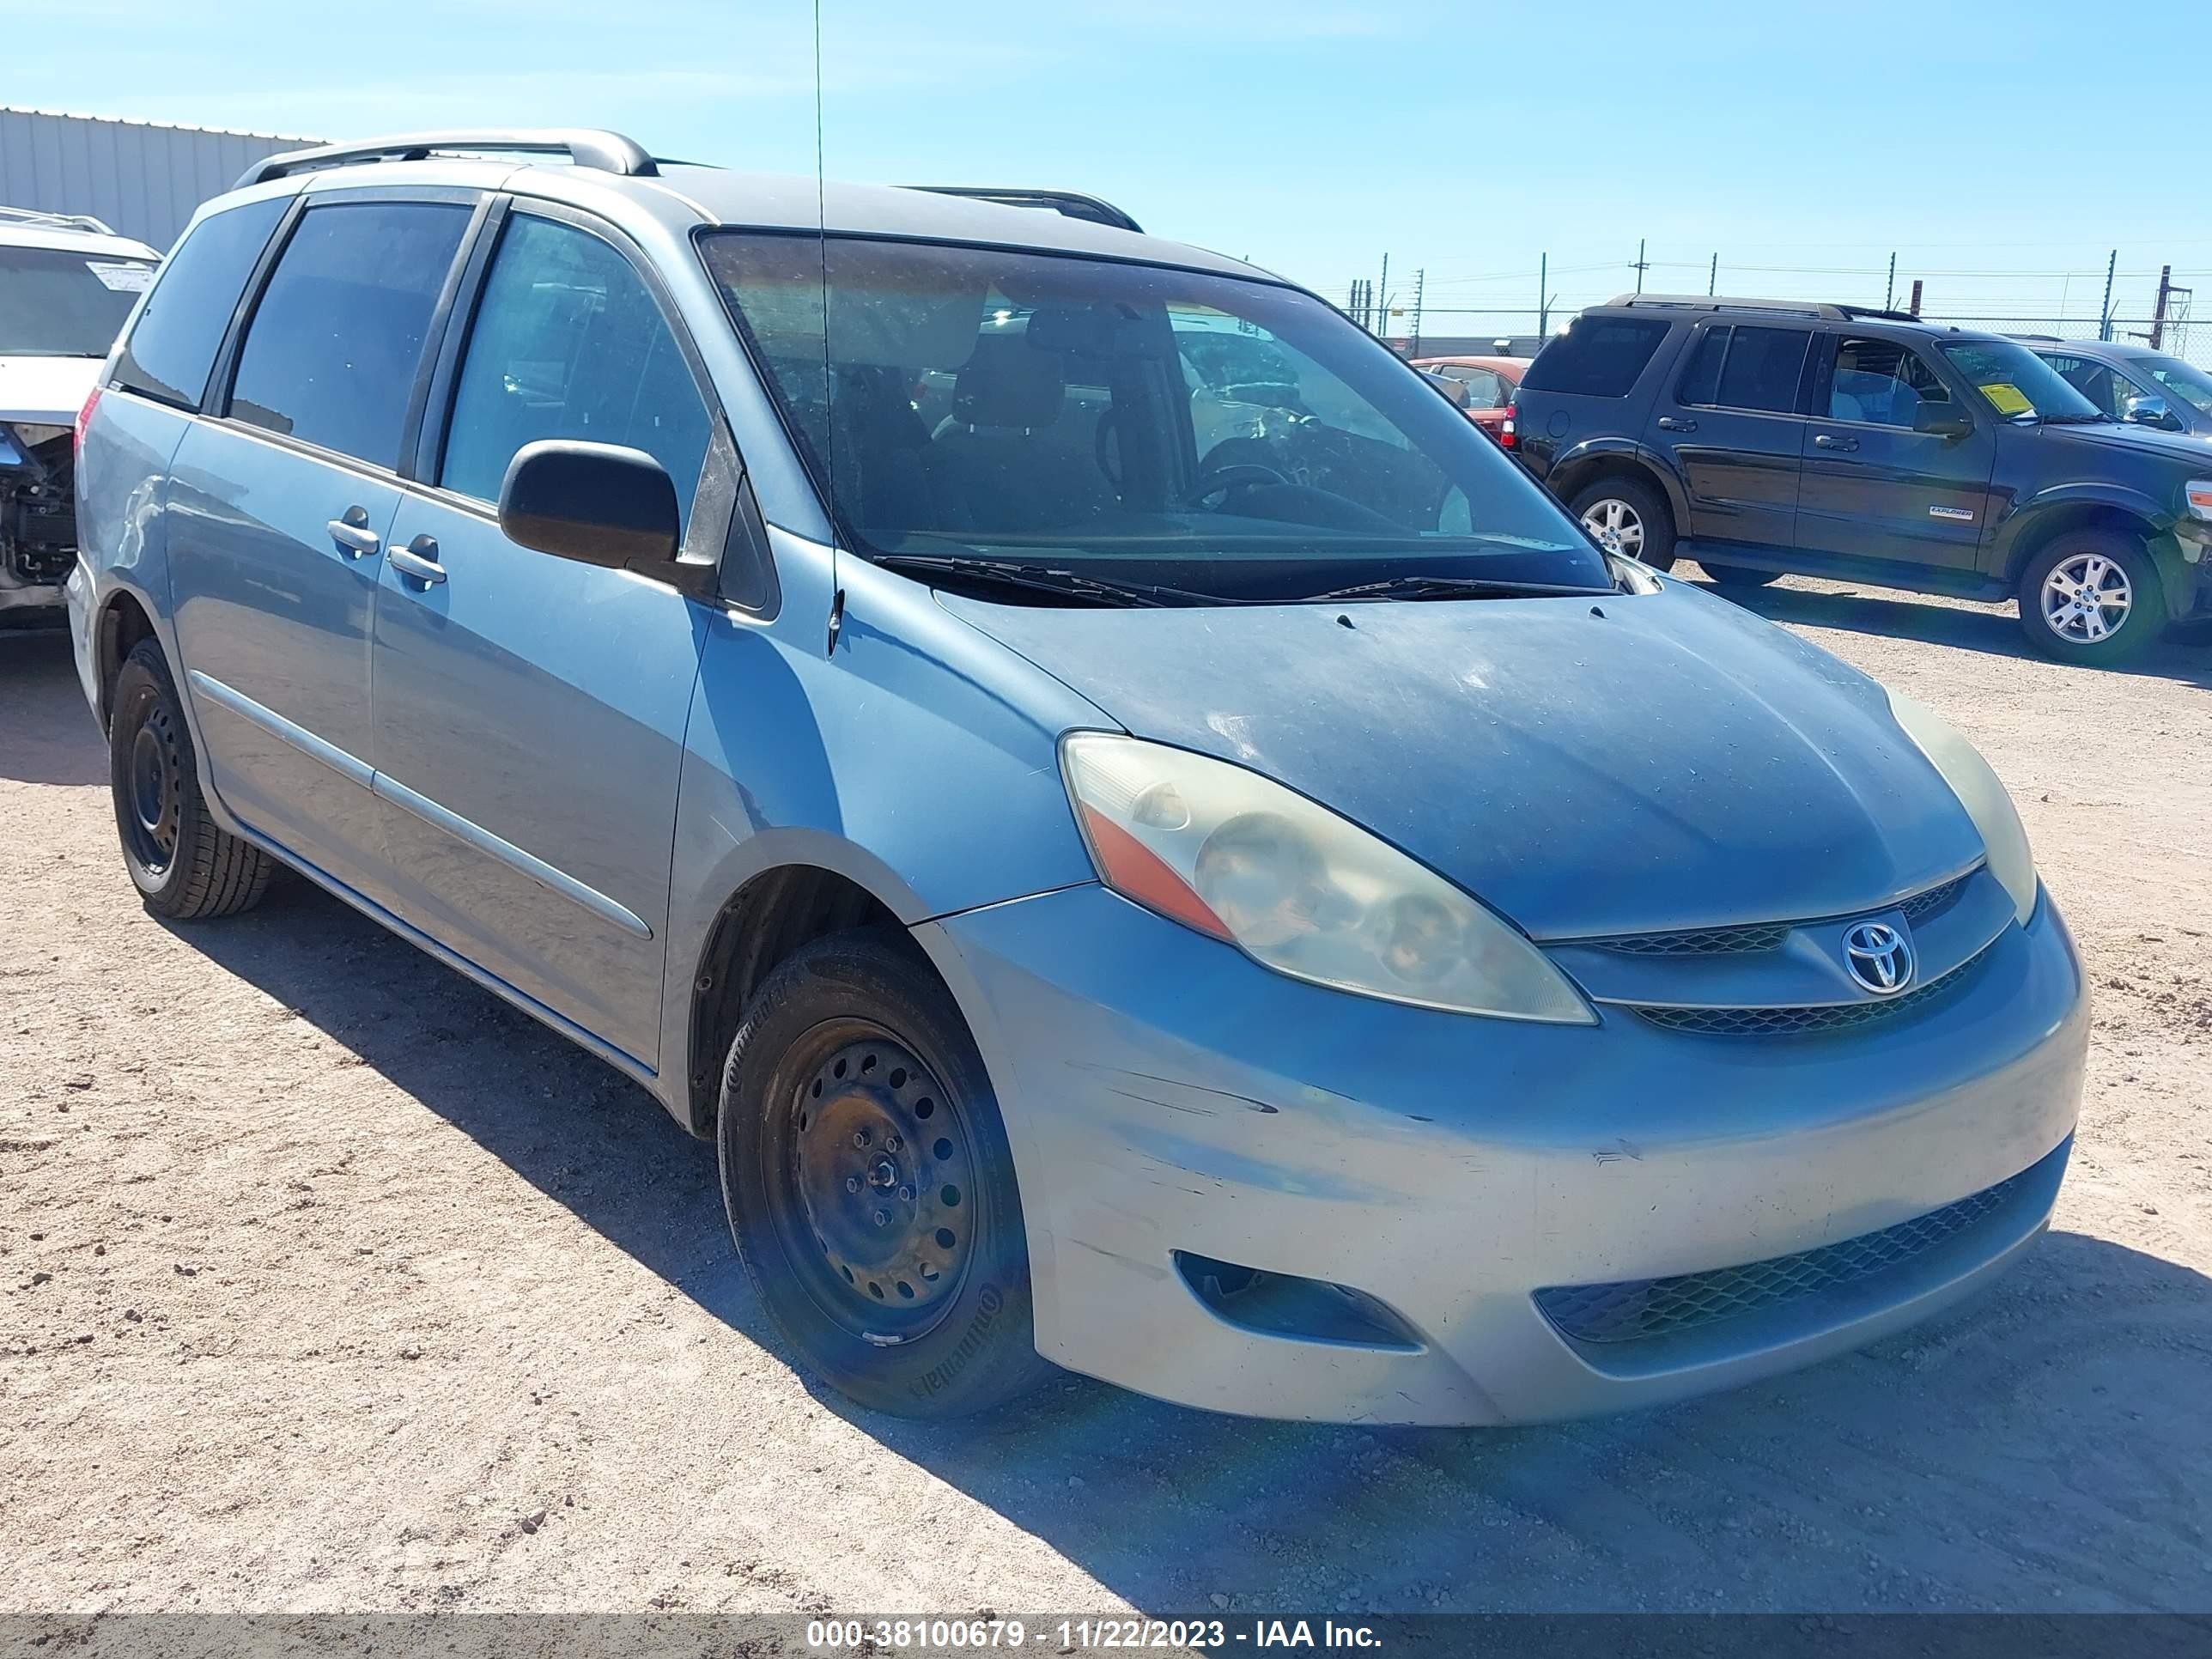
[1660, 1307]
[1765, 935]
[1793, 1021]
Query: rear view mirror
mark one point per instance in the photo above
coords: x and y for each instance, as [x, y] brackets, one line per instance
[1941, 419]
[597, 504]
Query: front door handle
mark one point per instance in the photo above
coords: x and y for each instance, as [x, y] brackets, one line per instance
[1673, 423]
[352, 534]
[418, 560]
[1831, 441]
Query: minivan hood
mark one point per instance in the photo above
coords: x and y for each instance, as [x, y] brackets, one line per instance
[1626, 764]
[45, 390]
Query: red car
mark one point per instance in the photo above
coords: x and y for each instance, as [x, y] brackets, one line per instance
[1490, 383]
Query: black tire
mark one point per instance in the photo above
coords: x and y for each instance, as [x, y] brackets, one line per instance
[2119, 563]
[1739, 575]
[853, 1093]
[184, 865]
[1647, 507]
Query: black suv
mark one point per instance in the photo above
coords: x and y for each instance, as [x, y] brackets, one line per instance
[1758, 437]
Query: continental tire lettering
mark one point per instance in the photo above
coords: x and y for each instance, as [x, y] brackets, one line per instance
[940, 1376]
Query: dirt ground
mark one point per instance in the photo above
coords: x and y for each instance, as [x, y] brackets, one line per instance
[331, 1283]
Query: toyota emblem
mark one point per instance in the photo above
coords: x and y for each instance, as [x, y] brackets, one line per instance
[1878, 956]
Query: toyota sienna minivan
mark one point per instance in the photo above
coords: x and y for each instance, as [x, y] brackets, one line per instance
[1136, 867]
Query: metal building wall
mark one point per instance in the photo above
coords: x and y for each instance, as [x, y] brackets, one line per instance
[142, 179]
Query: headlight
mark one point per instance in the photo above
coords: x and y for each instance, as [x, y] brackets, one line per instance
[1299, 889]
[2198, 494]
[2004, 842]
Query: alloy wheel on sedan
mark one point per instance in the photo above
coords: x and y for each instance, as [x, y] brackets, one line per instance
[1616, 525]
[2087, 598]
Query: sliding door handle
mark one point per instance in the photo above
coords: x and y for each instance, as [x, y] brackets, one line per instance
[1832, 441]
[418, 560]
[352, 534]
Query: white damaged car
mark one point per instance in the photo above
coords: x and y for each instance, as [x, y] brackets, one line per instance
[67, 283]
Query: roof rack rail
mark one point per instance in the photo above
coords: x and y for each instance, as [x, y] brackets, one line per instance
[1834, 313]
[1071, 203]
[586, 146]
[39, 216]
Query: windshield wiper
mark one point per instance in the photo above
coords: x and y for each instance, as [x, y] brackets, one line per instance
[1042, 579]
[1442, 587]
[2092, 418]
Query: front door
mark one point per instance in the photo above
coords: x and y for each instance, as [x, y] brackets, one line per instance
[1875, 488]
[1731, 423]
[277, 513]
[529, 710]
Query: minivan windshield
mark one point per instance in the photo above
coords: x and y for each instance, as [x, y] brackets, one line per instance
[1214, 436]
[2017, 384]
[57, 303]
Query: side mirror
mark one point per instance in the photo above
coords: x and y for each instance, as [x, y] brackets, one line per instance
[1941, 419]
[2148, 411]
[597, 504]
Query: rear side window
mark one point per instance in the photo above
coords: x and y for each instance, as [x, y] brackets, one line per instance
[173, 344]
[1597, 357]
[331, 354]
[1747, 367]
[568, 344]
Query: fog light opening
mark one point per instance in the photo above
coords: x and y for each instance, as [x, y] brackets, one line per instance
[1284, 1304]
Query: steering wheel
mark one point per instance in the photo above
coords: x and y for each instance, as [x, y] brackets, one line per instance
[1236, 475]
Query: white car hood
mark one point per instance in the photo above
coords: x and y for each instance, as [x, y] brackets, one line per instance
[45, 390]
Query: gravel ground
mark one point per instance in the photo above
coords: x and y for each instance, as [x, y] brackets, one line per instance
[330, 1283]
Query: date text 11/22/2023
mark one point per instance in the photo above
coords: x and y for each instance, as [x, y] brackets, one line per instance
[1084, 1635]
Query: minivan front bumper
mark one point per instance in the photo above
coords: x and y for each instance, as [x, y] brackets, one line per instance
[1170, 1102]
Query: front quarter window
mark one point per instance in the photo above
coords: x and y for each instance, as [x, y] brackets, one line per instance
[1216, 435]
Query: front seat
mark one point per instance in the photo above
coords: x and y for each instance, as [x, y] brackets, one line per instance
[1002, 460]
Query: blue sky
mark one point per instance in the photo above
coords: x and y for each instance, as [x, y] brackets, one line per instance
[2002, 149]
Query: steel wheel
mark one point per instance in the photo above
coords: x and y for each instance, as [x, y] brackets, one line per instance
[2086, 598]
[880, 1173]
[154, 800]
[1616, 526]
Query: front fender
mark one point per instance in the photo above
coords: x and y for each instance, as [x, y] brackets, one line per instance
[2026, 520]
[919, 759]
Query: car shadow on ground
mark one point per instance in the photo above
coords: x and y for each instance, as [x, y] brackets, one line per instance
[1994, 1458]
[1990, 1459]
[1988, 629]
[51, 735]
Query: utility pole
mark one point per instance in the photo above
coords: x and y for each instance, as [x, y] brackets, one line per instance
[1643, 264]
[1420, 281]
[2105, 311]
[1543, 283]
[1889, 294]
[1382, 302]
[1713, 277]
[2158, 312]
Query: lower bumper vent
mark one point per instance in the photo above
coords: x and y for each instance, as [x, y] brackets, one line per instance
[1642, 1308]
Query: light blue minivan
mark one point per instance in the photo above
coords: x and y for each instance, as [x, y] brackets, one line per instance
[1150, 845]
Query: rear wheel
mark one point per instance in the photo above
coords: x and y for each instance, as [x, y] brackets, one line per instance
[183, 864]
[1628, 516]
[869, 1184]
[2092, 596]
[1739, 575]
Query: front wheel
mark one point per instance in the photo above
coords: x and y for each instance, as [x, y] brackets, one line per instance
[2092, 597]
[869, 1184]
[1628, 516]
